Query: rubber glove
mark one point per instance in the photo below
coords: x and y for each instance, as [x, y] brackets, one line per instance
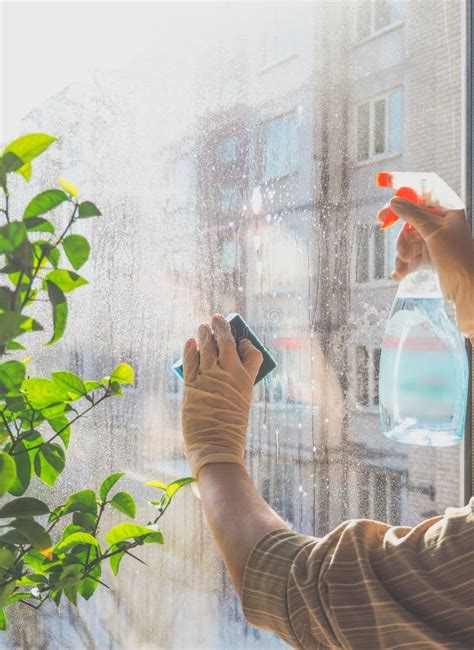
[218, 384]
[442, 239]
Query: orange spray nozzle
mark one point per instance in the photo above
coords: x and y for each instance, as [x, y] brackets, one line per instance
[384, 179]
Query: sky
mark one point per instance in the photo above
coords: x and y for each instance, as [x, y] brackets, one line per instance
[46, 46]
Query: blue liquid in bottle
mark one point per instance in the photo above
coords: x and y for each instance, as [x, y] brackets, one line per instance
[423, 367]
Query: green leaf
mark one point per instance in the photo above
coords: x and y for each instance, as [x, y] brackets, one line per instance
[38, 224]
[12, 236]
[26, 171]
[44, 202]
[70, 576]
[11, 162]
[43, 392]
[123, 374]
[29, 146]
[88, 585]
[7, 558]
[7, 472]
[66, 280]
[126, 531]
[74, 540]
[115, 562]
[12, 374]
[12, 324]
[3, 620]
[49, 462]
[60, 425]
[174, 486]
[71, 383]
[83, 501]
[156, 484]
[14, 345]
[37, 536]
[92, 385]
[154, 538]
[108, 484]
[55, 410]
[77, 250]
[24, 507]
[60, 311]
[36, 561]
[88, 209]
[85, 520]
[124, 502]
[19, 595]
[5, 593]
[23, 470]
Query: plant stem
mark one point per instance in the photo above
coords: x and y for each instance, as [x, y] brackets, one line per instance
[58, 433]
[42, 256]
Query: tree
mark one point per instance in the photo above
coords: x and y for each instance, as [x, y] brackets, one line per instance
[37, 413]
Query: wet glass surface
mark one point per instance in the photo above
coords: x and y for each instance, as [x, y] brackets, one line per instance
[234, 161]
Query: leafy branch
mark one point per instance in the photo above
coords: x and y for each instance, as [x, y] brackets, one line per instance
[37, 413]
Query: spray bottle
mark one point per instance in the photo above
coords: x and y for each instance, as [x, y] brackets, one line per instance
[423, 379]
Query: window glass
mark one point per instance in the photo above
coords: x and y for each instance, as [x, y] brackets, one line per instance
[382, 13]
[280, 146]
[395, 120]
[375, 375]
[380, 496]
[229, 255]
[230, 199]
[229, 150]
[378, 254]
[363, 126]
[379, 126]
[364, 19]
[280, 38]
[362, 374]
[279, 226]
[362, 259]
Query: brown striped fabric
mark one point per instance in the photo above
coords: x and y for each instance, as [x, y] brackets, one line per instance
[367, 585]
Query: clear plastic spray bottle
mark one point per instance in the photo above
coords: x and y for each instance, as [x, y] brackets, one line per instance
[423, 379]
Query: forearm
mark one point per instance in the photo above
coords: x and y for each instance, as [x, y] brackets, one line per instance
[236, 514]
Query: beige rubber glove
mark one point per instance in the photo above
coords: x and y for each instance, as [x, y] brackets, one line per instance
[442, 239]
[218, 384]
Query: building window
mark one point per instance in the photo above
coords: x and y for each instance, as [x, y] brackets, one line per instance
[370, 254]
[366, 376]
[280, 40]
[362, 375]
[231, 200]
[280, 147]
[229, 150]
[380, 494]
[379, 126]
[229, 256]
[372, 16]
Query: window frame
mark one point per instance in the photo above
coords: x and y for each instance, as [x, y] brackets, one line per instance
[262, 148]
[467, 459]
[372, 101]
[372, 280]
[372, 407]
[374, 33]
[268, 58]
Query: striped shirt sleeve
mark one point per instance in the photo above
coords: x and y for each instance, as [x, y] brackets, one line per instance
[367, 585]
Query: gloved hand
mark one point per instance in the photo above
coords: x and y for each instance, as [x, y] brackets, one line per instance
[218, 384]
[442, 238]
